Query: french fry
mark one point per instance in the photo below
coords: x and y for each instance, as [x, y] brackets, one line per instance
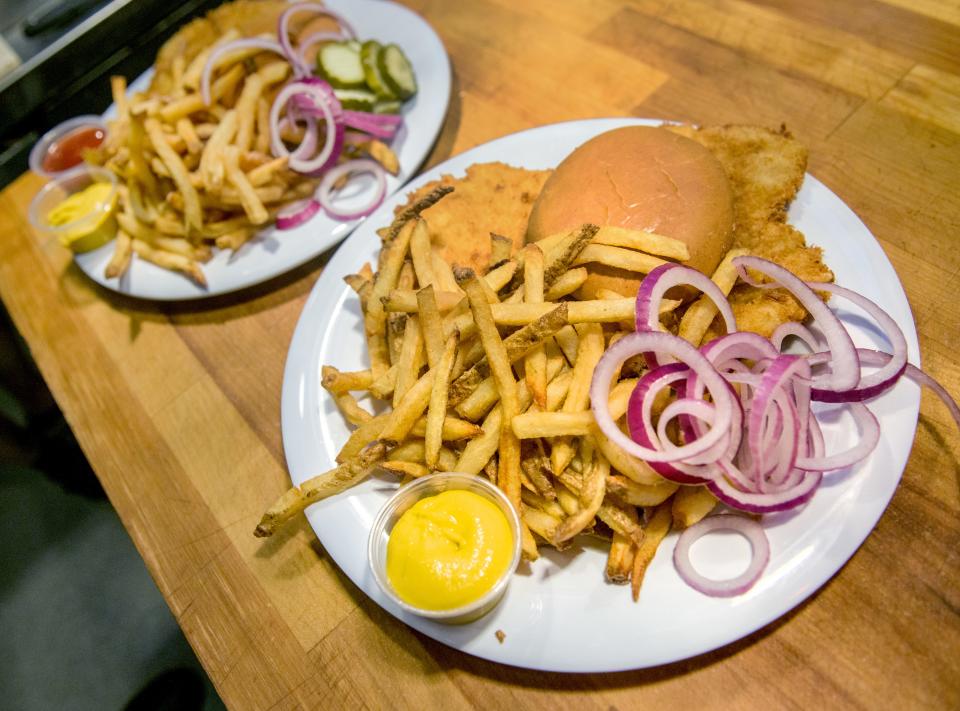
[192, 103]
[120, 259]
[566, 284]
[454, 429]
[408, 410]
[700, 314]
[189, 135]
[191, 201]
[530, 425]
[619, 559]
[393, 255]
[350, 409]
[649, 242]
[249, 198]
[535, 362]
[500, 249]
[691, 504]
[318, 488]
[168, 260]
[621, 518]
[542, 523]
[591, 498]
[594, 311]
[265, 172]
[397, 323]
[508, 473]
[422, 253]
[653, 534]
[431, 324]
[443, 274]
[533, 468]
[480, 449]
[411, 469]
[516, 345]
[589, 350]
[620, 258]
[437, 409]
[337, 381]
[630, 492]
[410, 353]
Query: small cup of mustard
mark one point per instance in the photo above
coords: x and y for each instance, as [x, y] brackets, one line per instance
[445, 546]
[78, 207]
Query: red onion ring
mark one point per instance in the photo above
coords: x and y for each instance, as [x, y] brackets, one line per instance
[759, 447]
[361, 165]
[320, 102]
[749, 529]
[283, 32]
[296, 213]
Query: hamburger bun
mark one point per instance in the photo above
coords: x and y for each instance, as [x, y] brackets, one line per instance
[642, 178]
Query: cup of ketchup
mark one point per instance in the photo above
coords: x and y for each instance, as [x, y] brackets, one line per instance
[62, 147]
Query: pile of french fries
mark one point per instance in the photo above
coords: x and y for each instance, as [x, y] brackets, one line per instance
[193, 176]
[490, 375]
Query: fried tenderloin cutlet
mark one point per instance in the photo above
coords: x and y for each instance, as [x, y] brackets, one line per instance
[765, 169]
[491, 197]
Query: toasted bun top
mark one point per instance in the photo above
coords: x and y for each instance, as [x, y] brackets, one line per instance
[643, 178]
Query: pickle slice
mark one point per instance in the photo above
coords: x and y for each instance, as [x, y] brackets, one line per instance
[397, 71]
[371, 70]
[340, 65]
[390, 106]
[356, 99]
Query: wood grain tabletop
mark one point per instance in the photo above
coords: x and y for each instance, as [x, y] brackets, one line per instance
[177, 406]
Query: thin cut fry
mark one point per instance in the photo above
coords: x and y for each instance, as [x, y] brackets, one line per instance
[649, 242]
[437, 408]
[320, 487]
[535, 362]
[655, 531]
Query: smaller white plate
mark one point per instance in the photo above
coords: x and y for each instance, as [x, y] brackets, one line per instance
[274, 252]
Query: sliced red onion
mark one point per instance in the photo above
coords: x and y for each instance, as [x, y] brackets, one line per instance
[283, 31]
[330, 178]
[871, 357]
[633, 344]
[378, 125]
[758, 447]
[310, 96]
[295, 214]
[759, 557]
[882, 380]
[761, 503]
[264, 43]
[845, 370]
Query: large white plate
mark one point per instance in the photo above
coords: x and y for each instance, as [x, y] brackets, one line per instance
[559, 614]
[274, 252]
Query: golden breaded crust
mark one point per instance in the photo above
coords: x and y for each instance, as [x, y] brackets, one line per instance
[491, 197]
[766, 169]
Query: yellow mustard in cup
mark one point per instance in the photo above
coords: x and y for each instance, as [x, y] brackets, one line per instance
[449, 550]
[89, 214]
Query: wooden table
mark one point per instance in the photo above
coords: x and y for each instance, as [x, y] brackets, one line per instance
[178, 407]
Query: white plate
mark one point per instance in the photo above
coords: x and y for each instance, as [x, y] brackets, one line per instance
[275, 252]
[559, 614]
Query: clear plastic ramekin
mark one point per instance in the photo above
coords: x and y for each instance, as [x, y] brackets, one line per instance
[56, 133]
[63, 186]
[406, 497]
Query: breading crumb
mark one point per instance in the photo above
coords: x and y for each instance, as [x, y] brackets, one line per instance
[501, 635]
